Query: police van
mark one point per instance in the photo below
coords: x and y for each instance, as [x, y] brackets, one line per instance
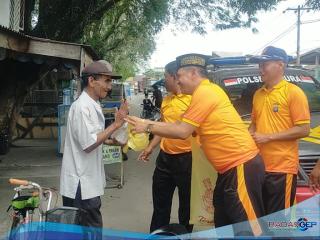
[240, 83]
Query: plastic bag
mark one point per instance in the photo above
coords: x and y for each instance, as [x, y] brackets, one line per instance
[203, 181]
[137, 142]
[121, 135]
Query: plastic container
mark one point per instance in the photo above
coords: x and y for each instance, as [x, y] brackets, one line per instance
[66, 96]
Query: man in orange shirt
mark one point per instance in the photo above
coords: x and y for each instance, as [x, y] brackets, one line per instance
[225, 141]
[280, 116]
[173, 164]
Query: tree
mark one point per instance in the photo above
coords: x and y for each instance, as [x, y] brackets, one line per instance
[125, 36]
[123, 31]
[154, 74]
[66, 20]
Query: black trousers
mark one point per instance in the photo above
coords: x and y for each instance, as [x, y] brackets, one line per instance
[172, 170]
[238, 197]
[279, 191]
[91, 215]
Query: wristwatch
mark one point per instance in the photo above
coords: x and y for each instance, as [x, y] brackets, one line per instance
[148, 129]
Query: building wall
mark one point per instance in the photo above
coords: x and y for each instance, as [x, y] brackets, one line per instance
[38, 132]
[5, 13]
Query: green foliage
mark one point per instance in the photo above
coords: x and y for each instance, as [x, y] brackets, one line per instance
[154, 74]
[197, 14]
[125, 36]
[123, 31]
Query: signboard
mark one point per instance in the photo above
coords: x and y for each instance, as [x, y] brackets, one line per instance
[257, 79]
[111, 154]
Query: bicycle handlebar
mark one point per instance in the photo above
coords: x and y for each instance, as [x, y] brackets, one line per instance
[25, 184]
[15, 181]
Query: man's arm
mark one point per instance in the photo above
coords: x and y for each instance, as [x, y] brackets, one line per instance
[296, 132]
[145, 154]
[252, 128]
[197, 112]
[154, 142]
[104, 135]
[178, 130]
[314, 179]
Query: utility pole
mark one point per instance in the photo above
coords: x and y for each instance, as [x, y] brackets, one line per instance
[298, 11]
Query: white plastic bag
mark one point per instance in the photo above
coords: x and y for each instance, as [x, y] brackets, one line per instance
[121, 134]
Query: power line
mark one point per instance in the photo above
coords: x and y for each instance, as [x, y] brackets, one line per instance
[311, 21]
[298, 10]
[288, 30]
[277, 38]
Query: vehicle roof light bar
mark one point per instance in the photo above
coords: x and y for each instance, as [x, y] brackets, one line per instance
[229, 61]
[235, 60]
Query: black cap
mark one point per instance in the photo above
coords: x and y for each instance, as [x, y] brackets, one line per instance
[100, 67]
[192, 60]
[270, 53]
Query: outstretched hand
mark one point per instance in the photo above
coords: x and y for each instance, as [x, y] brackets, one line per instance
[139, 125]
[145, 155]
[314, 179]
[121, 114]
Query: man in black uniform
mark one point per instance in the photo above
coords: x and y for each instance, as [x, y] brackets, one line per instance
[173, 164]
[157, 97]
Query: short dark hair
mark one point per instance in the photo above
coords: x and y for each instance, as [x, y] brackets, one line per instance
[85, 80]
[201, 71]
[171, 68]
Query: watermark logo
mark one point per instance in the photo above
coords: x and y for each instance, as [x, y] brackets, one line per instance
[302, 224]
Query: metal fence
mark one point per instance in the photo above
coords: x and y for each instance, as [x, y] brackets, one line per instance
[44, 97]
[42, 103]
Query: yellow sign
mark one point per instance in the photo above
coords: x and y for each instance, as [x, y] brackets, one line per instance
[203, 181]
[111, 154]
[314, 135]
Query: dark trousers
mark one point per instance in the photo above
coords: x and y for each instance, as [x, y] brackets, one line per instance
[172, 170]
[279, 191]
[91, 215]
[238, 196]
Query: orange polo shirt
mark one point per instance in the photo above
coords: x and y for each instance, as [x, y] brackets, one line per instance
[276, 110]
[172, 109]
[224, 137]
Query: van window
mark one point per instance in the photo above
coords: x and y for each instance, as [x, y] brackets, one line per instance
[241, 90]
[312, 90]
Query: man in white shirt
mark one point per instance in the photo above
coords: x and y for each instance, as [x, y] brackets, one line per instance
[82, 180]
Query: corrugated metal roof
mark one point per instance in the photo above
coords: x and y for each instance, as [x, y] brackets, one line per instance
[309, 57]
[88, 48]
[10, 31]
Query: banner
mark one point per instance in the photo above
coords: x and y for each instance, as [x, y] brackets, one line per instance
[111, 154]
[203, 181]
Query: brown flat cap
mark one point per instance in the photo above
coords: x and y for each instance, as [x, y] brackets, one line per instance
[100, 67]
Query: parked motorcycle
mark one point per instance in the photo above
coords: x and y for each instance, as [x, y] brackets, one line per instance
[151, 112]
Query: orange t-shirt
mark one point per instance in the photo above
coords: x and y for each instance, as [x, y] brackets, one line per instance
[277, 110]
[172, 109]
[224, 137]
